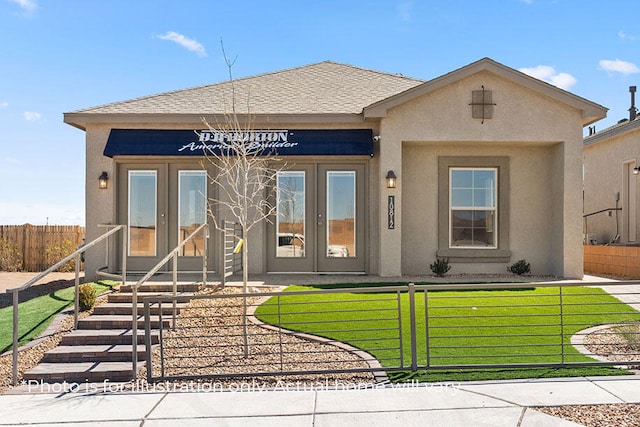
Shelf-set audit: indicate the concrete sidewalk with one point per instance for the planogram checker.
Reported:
(495, 403)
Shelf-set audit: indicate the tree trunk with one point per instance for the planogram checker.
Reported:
(245, 279)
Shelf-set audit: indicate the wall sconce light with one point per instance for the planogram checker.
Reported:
(636, 170)
(391, 179)
(103, 180)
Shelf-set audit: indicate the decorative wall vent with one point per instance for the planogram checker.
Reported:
(482, 104)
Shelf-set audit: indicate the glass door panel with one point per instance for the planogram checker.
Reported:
(192, 209)
(341, 214)
(290, 215)
(142, 215)
(341, 218)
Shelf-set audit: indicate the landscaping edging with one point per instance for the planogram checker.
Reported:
(577, 341)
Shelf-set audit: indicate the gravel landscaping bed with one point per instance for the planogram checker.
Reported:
(611, 345)
(216, 324)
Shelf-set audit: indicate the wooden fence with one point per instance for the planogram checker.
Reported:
(33, 241)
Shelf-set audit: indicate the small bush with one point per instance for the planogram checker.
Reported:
(520, 267)
(10, 256)
(86, 297)
(440, 267)
(57, 251)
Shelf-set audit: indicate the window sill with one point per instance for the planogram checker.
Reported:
(475, 255)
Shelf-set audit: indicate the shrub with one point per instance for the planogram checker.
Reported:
(440, 267)
(10, 256)
(520, 267)
(57, 251)
(86, 297)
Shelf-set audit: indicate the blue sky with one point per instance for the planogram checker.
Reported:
(58, 56)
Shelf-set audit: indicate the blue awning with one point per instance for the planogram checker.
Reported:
(295, 142)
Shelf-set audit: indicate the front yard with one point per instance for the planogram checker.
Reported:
(464, 328)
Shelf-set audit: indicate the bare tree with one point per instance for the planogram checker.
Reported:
(244, 170)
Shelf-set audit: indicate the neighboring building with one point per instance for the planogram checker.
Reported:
(611, 182)
(487, 160)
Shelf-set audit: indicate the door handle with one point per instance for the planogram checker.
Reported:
(320, 220)
(162, 221)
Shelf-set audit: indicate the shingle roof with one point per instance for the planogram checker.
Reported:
(322, 88)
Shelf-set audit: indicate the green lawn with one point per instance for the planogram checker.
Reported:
(465, 327)
(36, 314)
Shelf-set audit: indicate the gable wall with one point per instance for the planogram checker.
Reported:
(540, 137)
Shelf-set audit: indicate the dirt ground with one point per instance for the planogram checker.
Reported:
(50, 283)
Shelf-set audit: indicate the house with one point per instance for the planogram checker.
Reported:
(611, 200)
(486, 164)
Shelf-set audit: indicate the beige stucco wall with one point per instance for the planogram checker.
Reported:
(605, 164)
(541, 137)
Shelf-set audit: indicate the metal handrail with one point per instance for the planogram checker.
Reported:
(77, 254)
(601, 211)
(134, 289)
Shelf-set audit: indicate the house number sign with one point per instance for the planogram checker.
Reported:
(391, 212)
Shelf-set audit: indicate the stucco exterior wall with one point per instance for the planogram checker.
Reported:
(541, 137)
(605, 169)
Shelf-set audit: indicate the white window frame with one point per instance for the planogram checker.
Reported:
(494, 208)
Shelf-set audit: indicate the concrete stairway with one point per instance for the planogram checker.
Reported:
(100, 349)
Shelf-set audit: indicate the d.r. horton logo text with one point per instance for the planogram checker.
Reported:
(257, 139)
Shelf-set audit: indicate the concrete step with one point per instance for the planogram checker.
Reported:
(92, 353)
(163, 287)
(119, 322)
(81, 372)
(120, 297)
(105, 337)
(123, 308)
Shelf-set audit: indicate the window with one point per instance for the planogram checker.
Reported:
(473, 208)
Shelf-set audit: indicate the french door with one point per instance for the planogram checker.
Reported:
(162, 204)
(319, 225)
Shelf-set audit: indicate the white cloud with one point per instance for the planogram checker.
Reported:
(186, 42)
(624, 36)
(28, 6)
(619, 66)
(404, 11)
(13, 161)
(4, 104)
(32, 116)
(548, 74)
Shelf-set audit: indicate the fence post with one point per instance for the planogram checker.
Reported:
(223, 269)
(401, 341)
(412, 320)
(175, 289)
(561, 325)
(15, 338)
(147, 339)
(426, 326)
(76, 297)
(205, 248)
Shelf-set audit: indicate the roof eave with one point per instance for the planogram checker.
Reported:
(81, 120)
(610, 133)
